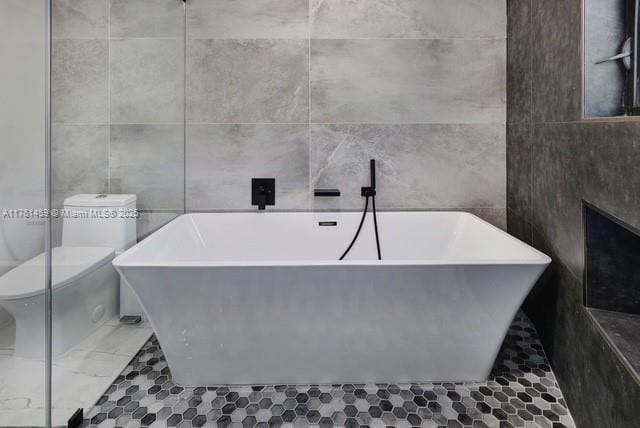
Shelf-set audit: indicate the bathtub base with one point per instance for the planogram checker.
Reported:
(260, 298)
(301, 325)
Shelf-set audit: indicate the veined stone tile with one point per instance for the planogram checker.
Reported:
(147, 80)
(248, 19)
(408, 81)
(418, 166)
(79, 376)
(79, 81)
(148, 160)
(120, 340)
(79, 164)
(89, 364)
(80, 18)
(79, 160)
(408, 18)
(248, 81)
(147, 18)
(222, 159)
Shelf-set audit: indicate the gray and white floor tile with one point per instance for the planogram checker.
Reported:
(522, 392)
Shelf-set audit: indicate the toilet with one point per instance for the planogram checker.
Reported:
(85, 285)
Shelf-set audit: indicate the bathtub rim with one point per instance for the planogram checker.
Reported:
(127, 258)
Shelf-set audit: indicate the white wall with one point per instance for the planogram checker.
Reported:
(22, 74)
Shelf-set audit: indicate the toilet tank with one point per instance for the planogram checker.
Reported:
(99, 220)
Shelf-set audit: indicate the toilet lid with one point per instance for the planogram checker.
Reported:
(68, 263)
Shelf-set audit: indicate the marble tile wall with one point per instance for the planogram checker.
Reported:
(303, 91)
(118, 103)
(555, 159)
(307, 91)
(218, 156)
(414, 161)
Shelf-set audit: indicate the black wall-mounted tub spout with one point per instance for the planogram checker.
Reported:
(263, 192)
(326, 193)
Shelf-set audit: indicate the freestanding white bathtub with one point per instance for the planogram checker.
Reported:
(260, 298)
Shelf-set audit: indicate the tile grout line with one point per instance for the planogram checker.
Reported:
(184, 109)
(331, 210)
(310, 197)
(109, 96)
(285, 123)
(462, 39)
(530, 130)
(116, 38)
(342, 123)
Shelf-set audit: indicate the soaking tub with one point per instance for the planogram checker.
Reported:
(260, 298)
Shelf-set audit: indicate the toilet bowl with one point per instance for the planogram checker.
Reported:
(85, 286)
(85, 295)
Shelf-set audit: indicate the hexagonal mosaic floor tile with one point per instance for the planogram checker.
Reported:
(522, 392)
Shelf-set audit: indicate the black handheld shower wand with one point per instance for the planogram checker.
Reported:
(373, 205)
(368, 192)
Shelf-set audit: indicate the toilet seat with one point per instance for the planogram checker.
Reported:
(68, 263)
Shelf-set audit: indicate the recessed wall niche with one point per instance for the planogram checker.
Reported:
(605, 34)
(612, 281)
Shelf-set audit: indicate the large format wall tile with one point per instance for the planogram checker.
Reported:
(418, 166)
(495, 216)
(222, 159)
(149, 222)
(79, 160)
(519, 54)
(557, 190)
(147, 80)
(591, 161)
(247, 81)
(408, 18)
(599, 390)
(408, 81)
(519, 154)
(147, 18)
(248, 19)
(80, 18)
(148, 160)
(571, 161)
(79, 82)
(520, 228)
(556, 60)
(519, 180)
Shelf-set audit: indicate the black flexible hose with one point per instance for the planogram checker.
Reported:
(375, 225)
(364, 214)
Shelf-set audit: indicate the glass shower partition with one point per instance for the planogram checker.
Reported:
(23, 203)
(117, 149)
